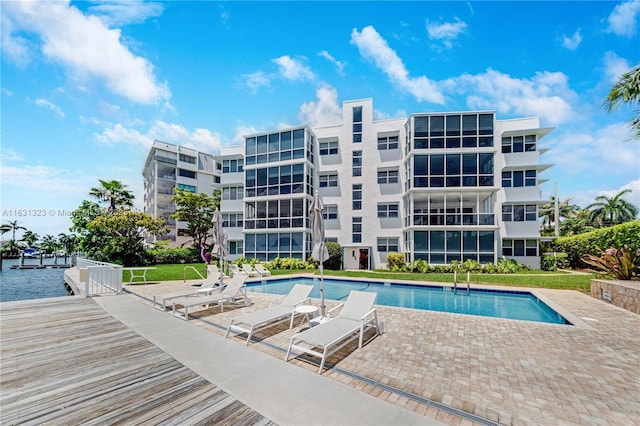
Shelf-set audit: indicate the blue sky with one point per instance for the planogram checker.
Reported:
(88, 86)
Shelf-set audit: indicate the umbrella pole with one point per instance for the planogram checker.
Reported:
(322, 307)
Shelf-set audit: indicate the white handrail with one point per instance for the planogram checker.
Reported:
(102, 277)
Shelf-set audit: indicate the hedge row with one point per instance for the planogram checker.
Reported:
(601, 239)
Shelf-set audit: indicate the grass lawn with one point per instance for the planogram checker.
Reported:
(558, 280)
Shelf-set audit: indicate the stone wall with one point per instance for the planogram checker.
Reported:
(625, 294)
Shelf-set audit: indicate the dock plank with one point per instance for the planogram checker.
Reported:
(66, 361)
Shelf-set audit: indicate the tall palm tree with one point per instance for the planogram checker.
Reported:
(30, 238)
(68, 242)
(12, 226)
(626, 90)
(113, 192)
(547, 211)
(608, 211)
(49, 244)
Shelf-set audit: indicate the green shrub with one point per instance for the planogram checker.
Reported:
(578, 246)
(489, 268)
(553, 262)
(395, 262)
(335, 257)
(507, 266)
(471, 265)
(164, 256)
(419, 265)
(289, 263)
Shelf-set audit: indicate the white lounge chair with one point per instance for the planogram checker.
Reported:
(233, 268)
(210, 284)
(264, 272)
(248, 269)
(234, 292)
(213, 269)
(356, 316)
(249, 323)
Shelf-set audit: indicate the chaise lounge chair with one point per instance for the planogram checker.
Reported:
(209, 285)
(357, 315)
(248, 269)
(264, 272)
(249, 323)
(234, 292)
(233, 268)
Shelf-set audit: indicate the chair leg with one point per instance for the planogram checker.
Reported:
(324, 357)
(286, 357)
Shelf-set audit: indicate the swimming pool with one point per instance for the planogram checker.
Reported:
(516, 305)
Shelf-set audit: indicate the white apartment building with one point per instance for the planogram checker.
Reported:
(435, 186)
(169, 166)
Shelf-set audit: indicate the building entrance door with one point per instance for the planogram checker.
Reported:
(364, 259)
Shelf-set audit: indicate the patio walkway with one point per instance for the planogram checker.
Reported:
(445, 366)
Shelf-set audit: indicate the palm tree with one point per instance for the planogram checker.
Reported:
(13, 227)
(30, 238)
(114, 193)
(608, 211)
(626, 90)
(578, 224)
(68, 242)
(547, 211)
(49, 244)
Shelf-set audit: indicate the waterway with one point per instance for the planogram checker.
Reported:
(24, 284)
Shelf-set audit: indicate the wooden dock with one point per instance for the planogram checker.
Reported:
(66, 361)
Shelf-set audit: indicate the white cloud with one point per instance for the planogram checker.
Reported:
(375, 48)
(603, 154)
(241, 131)
(55, 180)
(201, 139)
(51, 106)
(614, 66)
(622, 20)
(256, 80)
(339, 65)
(293, 68)
(573, 41)
(7, 154)
(124, 12)
(546, 95)
(117, 134)
(325, 111)
(446, 32)
(85, 47)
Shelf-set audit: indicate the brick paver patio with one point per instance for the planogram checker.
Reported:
(503, 371)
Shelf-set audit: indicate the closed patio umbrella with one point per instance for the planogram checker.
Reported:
(219, 241)
(319, 252)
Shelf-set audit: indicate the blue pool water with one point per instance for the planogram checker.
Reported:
(492, 303)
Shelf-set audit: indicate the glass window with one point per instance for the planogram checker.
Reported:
(530, 178)
(453, 241)
(436, 240)
(506, 145)
(530, 143)
(453, 125)
(485, 241)
(189, 188)
(274, 142)
(421, 127)
(453, 164)
(357, 137)
(518, 144)
(421, 241)
(437, 125)
(507, 214)
(518, 179)
(437, 165)
(470, 241)
(356, 162)
(298, 138)
(357, 114)
(531, 248)
(469, 124)
(486, 124)
(250, 146)
(187, 173)
(518, 247)
(531, 212)
(518, 213)
(485, 162)
(469, 164)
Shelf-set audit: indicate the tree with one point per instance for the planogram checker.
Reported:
(12, 226)
(30, 238)
(119, 237)
(578, 224)
(609, 211)
(68, 241)
(547, 211)
(626, 90)
(197, 210)
(49, 244)
(114, 193)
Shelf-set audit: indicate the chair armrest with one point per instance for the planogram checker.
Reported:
(302, 302)
(333, 309)
(277, 298)
(367, 315)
